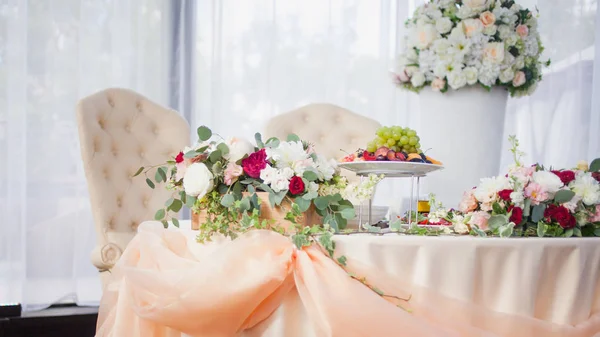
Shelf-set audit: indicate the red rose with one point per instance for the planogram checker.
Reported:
(179, 158)
(596, 176)
(296, 185)
(565, 176)
(516, 215)
(561, 215)
(505, 195)
(255, 163)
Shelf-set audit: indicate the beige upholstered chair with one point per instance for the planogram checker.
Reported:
(119, 131)
(331, 128)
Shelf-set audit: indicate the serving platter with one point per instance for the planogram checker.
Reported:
(390, 168)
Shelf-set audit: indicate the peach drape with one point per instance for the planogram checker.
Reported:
(261, 285)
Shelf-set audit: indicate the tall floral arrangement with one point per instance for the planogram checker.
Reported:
(530, 201)
(222, 178)
(452, 44)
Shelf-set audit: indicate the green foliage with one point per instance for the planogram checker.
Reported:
(150, 183)
(137, 173)
(595, 165)
(204, 133)
(563, 196)
(541, 229)
(497, 221)
(293, 138)
(538, 212)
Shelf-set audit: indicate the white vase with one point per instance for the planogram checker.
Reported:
(464, 130)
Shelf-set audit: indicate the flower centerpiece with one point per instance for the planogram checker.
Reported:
(235, 185)
(530, 201)
(464, 57)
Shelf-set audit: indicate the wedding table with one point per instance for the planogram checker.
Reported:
(545, 287)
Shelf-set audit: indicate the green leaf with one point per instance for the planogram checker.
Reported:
(204, 133)
(159, 215)
(163, 172)
(182, 196)
(498, 209)
(527, 208)
(227, 200)
(541, 229)
(190, 154)
(175, 222)
(222, 188)
(310, 195)
(340, 222)
(279, 197)
(303, 204)
(272, 142)
(215, 156)
(150, 183)
(378, 291)
(597, 232)
(254, 201)
(165, 223)
(223, 148)
(538, 212)
(137, 173)
(169, 202)
(237, 190)
(342, 260)
(348, 213)
(158, 176)
(563, 196)
(569, 233)
(506, 231)
(245, 204)
(176, 206)
(479, 232)
(265, 188)
(293, 138)
(259, 142)
(310, 176)
(326, 241)
(595, 165)
(321, 202)
(300, 241)
(577, 232)
(497, 221)
(190, 201)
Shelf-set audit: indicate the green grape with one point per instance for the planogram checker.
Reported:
(396, 136)
(379, 140)
(397, 129)
(411, 133)
(387, 134)
(372, 148)
(413, 141)
(404, 140)
(394, 148)
(418, 138)
(391, 142)
(412, 150)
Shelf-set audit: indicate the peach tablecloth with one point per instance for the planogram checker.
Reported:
(260, 285)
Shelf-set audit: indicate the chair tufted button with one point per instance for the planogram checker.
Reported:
(142, 154)
(155, 130)
(111, 102)
(134, 225)
(139, 105)
(111, 223)
(338, 119)
(101, 123)
(119, 201)
(96, 145)
(128, 127)
(305, 118)
(145, 202)
(105, 173)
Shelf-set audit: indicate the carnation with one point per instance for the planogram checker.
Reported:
(587, 188)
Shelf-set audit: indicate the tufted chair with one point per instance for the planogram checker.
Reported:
(331, 128)
(119, 131)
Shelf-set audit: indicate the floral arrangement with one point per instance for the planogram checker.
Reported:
(222, 178)
(529, 201)
(458, 43)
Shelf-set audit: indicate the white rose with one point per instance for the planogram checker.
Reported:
(424, 35)
(520, 62)
(548, 180)
(586, 187)
(505, 31)
(457, 79)
(477, 5)
(494, 52)
(471, 75)
(238, 148)
(507, 75)
(418, 79)
(198, 180)
(441, 46)
(490, 30)
(472, 27)
(465, 12)
(411, 55)
(438, 84)
(511, 40)
(443, 25)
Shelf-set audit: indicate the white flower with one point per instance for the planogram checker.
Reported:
(572, 204)
(424, 35)
(511, 40)
(312, 187)
(507, 75)
(438, 84)
(443, 25)
(471, 75)
(472, 27)
(287, 154)
(505, 31)
(411, 55)
(587, 188)
(465, 12)
(441, 46)
(490, 30)
(418, 79)
(517, 198)
(493, 52)
(457, 79)
(477, 5)
(326, 168)
(488, 73)
(520, 62)
(238, 148)
(198, 180)
(268, 174)
(443, 69)
(460, 225)
(488, 188)
(278, 180)
(548, 180)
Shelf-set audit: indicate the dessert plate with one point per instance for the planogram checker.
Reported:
(391, 168)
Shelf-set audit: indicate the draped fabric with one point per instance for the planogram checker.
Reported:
(230, 64)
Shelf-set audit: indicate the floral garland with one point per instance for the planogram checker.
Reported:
(458, 43)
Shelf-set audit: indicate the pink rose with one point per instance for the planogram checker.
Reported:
(480, 219)
(519, 79)
(468, 202)
(438, 84)
(232, 172)
(522, 30)
(536, 193)
(402, 77)
(487, 18)
(596, 217)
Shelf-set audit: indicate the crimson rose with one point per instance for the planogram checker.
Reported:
(505, 195)
(596, 176)
(565, 176)
(255, 163)
(516, 215)
(561, 215)
(296, 185)
(179, 158)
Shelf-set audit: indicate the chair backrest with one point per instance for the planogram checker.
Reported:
(120, 131)
(334, 130)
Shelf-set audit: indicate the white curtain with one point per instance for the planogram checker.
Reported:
(230, 64)
(52, 53)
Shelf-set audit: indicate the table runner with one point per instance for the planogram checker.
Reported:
(167, 285)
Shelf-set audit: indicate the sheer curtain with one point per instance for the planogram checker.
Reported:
(53, 53)
(230, 64)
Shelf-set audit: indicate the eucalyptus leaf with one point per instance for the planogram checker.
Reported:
(251, 189)
(190, 201)
(137, 173)
(597, 232)
(340, 221)
(498, 209)
(272, 142)
(176, 205)
(182, 197)
(577, 232)
(310, 176)
(259, 142)
(227, 200)
(595, 165)
(175, 222)
(254, 201)
(348, 213)
(158, 177)
(569, 233)
(223, 148)
(150, 183)
(563, 196)
(541, 229)
(215, 156)
(222, 188)
(165, 223)
(303, 204)
(217, 168)
(321, 202)
(333, 223)
(163, 172)
(479, 232)
(497, 221)
(310, 195)
(272, 199)
(527, 208)
(506, 231)
(279, 197)
(160, 214)
(265, 188)
(245, 204)
(293, 138)
(537, 213)
(190, 154)
(204, 133)
(169, 202)
(201, 149)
